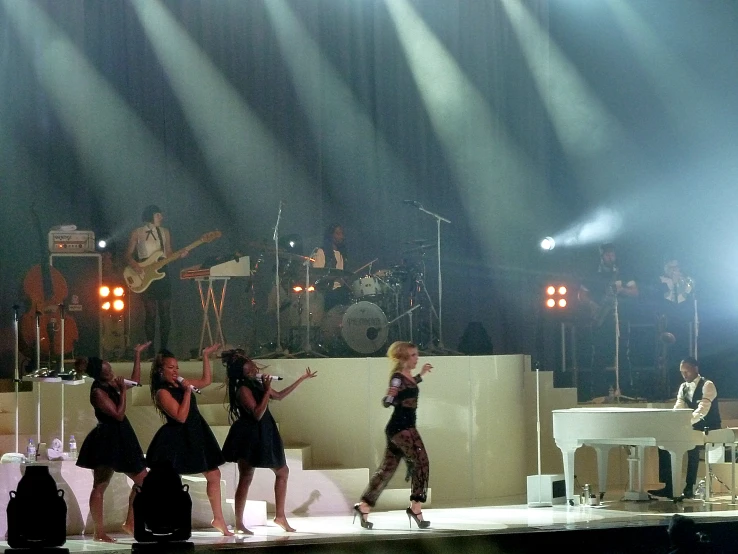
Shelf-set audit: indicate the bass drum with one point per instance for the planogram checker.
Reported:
(361, 327)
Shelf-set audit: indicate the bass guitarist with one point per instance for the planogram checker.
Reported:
(151, 239)
(601, 292)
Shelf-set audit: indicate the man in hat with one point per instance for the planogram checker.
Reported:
(602, 291)
(148, 243)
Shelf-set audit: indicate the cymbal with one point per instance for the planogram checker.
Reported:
(416, 241)
(419, 248)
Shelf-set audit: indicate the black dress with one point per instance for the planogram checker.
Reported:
(111, 443)
(256, 442)
(191, 446)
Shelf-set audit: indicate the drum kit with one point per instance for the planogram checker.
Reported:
(367, 311)
(334, 312)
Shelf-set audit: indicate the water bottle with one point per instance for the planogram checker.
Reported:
(72, 448)
(610, 394)
(701, 490)
(31, 451)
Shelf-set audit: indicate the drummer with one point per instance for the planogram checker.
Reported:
(332, 255)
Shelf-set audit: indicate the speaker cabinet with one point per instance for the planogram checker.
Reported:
(83, 274)
(546, 490)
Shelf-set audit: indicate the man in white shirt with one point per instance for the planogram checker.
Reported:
(151, 240)
(699, 395)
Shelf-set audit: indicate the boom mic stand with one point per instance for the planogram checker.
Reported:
(279, 350)
(439, 219)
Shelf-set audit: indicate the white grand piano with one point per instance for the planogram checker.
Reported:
(603, 428)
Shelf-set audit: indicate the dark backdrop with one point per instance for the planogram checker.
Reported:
(217, 111)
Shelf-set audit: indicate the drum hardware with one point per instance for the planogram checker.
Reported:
(409, 314)
(369, 265)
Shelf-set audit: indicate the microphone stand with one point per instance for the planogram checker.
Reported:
(276, 276)
(696, 330)
(15, 456)
(616, 313)
(439, 219)
(307, 348)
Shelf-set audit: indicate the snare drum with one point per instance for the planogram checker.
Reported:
(362, 327)
(369, 286)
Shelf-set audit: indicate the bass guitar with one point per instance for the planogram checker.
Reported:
(140, 281)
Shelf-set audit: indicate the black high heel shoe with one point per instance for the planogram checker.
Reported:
(421, 523)
(365, 523)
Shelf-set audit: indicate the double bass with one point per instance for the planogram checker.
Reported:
(46, 289)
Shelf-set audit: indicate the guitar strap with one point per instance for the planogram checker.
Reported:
(161, 239)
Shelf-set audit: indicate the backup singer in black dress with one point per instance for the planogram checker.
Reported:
(403, 439)
(185, 439)
(253, 440)
(112, 445)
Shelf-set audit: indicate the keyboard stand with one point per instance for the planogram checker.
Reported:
(210, 295)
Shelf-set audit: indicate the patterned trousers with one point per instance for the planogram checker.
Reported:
(405, 444)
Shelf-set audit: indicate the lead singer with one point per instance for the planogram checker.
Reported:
(403, 439)
(185, 439)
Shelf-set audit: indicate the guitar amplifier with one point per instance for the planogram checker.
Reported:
(71, 242)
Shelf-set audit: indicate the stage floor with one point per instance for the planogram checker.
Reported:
(339, 534)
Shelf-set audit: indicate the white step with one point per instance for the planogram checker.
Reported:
(202, 513)
(254, 513)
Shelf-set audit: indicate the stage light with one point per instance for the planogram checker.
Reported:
(556, 296)
(297, 288)
(548, 243)
(111, 297)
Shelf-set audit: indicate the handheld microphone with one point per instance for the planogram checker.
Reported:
(130, 383)
(194, 388)
(274, 377)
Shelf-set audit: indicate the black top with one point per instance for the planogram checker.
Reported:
(405, 403)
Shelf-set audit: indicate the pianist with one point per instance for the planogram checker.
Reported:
(700, 395)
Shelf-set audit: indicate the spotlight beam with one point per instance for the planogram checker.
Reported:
(90, 110)
(582, 123)
(356, 151)
(495, 178)
(237, 146)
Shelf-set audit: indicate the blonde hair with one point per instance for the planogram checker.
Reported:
(398, 353)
